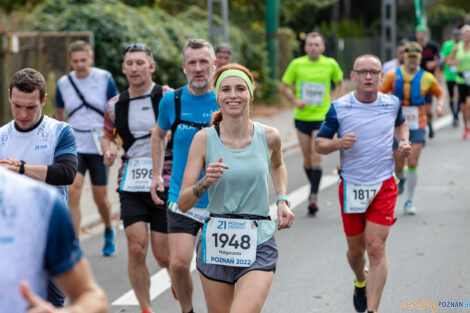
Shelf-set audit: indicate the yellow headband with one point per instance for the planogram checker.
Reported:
(235, 73)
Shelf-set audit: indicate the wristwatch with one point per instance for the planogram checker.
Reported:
(406, 140)
(285, 198)
(21, 171)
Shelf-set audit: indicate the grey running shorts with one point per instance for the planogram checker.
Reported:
(266, 259)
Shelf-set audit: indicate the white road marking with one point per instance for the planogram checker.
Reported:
(160, 281)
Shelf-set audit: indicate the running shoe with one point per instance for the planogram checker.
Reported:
(360, 299)
(466, 132)
(312, 207)
(109, 246)
(409, 208)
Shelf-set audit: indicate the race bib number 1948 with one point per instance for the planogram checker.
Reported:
(357, 198)
(229, 241)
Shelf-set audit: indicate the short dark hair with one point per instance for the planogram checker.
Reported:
(196, 43)
(315, 34)
(80, 45)
(224, 47)
(28, 80)
(402, 42)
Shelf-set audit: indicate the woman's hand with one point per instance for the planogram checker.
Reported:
(213, 172)
(285, 216)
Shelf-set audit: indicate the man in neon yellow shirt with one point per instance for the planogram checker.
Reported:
(312, 75)
(450, 74)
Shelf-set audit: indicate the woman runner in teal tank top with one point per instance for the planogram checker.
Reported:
(237, 156)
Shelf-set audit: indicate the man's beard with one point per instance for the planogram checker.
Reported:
(199, 85)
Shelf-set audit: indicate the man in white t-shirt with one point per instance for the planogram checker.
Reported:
(366, 122)
(83, 93)
(36, 145)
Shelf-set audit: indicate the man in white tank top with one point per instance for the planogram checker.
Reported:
(83, 93)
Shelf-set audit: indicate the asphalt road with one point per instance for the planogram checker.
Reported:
(428, 254)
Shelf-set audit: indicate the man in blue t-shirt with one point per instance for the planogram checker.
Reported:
(37, 240)
(83, 93)
(36, 145)
(197, 102)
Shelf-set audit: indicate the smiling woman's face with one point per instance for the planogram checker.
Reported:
(234, 96)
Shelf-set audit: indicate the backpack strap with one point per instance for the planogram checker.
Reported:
(156, 95)
(178, 119)
(121, 122)
(82, 98)
(122, 115)
(178, 93)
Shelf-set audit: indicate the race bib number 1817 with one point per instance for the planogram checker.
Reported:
(357, 198)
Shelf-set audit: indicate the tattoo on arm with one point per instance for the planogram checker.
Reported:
(199, 188)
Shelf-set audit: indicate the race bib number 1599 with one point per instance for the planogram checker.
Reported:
(229, 241)
(313, 93)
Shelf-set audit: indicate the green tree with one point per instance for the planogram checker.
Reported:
(460, 4)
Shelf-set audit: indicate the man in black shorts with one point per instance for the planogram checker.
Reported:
(83, 93)
(312, 75)
(184, 112)
(132, 115)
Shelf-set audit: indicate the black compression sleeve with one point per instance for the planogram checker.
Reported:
(63, 171)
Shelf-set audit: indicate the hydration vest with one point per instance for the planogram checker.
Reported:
(416, 98)
(122, 115)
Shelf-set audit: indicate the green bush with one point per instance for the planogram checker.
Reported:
(441, 15)
(116, 24)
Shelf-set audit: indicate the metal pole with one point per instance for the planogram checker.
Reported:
(272, 24)
(388, 30)
(223, 30)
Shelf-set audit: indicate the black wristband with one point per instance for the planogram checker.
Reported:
(21, 171)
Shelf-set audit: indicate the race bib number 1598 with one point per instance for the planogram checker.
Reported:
(137, 175)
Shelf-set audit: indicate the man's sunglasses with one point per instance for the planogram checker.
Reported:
(136, 46)
(408, 50)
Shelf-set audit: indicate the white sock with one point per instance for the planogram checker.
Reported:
(411, 183)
